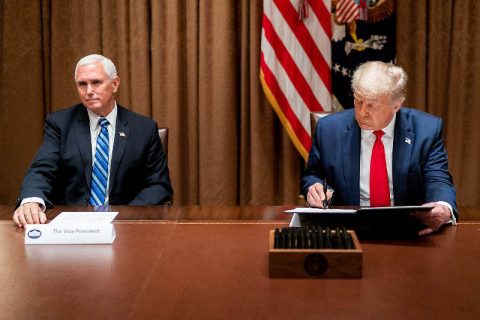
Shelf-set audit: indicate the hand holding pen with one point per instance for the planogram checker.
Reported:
(325, 189)
(320, 195)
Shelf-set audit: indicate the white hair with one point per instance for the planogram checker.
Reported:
(108, 65)
(374, 79)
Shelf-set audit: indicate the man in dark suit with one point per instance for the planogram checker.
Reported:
(95, 153)
(379, 154)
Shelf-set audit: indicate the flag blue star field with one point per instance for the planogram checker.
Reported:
(362, 30)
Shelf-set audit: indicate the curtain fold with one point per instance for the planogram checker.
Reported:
(438, 45)
(193, 66)
(190, 65)
(462, 112)
(22, 92)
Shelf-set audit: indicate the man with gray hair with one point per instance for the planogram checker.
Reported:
(380, 154)
(95, 153)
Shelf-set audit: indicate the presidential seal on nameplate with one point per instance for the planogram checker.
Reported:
(74, 228)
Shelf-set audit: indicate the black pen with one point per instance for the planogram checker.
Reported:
(325, 202)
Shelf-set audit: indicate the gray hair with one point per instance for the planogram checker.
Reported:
(374, 79)
(108, 65)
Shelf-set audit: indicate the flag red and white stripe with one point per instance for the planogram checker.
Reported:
(295, 64)
(347, 11)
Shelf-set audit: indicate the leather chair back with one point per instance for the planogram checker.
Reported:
(163, 133)
(314, 117)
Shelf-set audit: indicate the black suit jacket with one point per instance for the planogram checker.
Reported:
(62, 168)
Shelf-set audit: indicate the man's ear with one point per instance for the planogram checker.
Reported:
(116, 83)
(397, 104)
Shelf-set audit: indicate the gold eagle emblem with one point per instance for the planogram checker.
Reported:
(377, 10)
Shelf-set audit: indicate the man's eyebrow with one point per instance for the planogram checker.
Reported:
(89, 80)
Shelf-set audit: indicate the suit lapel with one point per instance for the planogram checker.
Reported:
(351, 162)
(122, 133)
(82, 132)
(402, 151)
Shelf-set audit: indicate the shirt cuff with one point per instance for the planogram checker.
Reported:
(40, 201)
(453, 220)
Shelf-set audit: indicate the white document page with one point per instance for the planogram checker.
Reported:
(84, 217)
(320, 210)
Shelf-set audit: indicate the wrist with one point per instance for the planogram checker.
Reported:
(449, 215)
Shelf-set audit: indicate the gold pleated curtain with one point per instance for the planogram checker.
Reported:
(438, 43)
(193, 66)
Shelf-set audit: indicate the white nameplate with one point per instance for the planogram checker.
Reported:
(74, 228)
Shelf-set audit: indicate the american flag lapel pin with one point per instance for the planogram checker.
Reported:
(122, 134)
(407, 140)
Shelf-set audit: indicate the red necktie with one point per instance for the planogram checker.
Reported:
(379, 189)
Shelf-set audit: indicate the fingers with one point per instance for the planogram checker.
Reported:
(16, 219)
(425, 231)
(430, 220)
(429, 204)
(43, 217)
(29, 213)
(20, 216)
(315, 195)
(434, 218)
(312, 202)
(329, 194)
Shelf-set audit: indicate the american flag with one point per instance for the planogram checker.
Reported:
(347, 11)
(295, 63)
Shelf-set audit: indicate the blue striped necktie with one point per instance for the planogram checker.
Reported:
(99, 181)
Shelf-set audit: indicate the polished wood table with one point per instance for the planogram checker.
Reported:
(179, 213)
(175, 213)
(212, 263)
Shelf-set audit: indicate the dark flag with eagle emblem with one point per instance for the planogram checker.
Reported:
(362, 30)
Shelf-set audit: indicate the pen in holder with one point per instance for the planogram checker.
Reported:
(314, 252)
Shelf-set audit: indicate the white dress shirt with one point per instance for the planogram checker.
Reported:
(367, 142)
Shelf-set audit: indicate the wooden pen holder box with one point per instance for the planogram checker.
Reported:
(316, 263)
